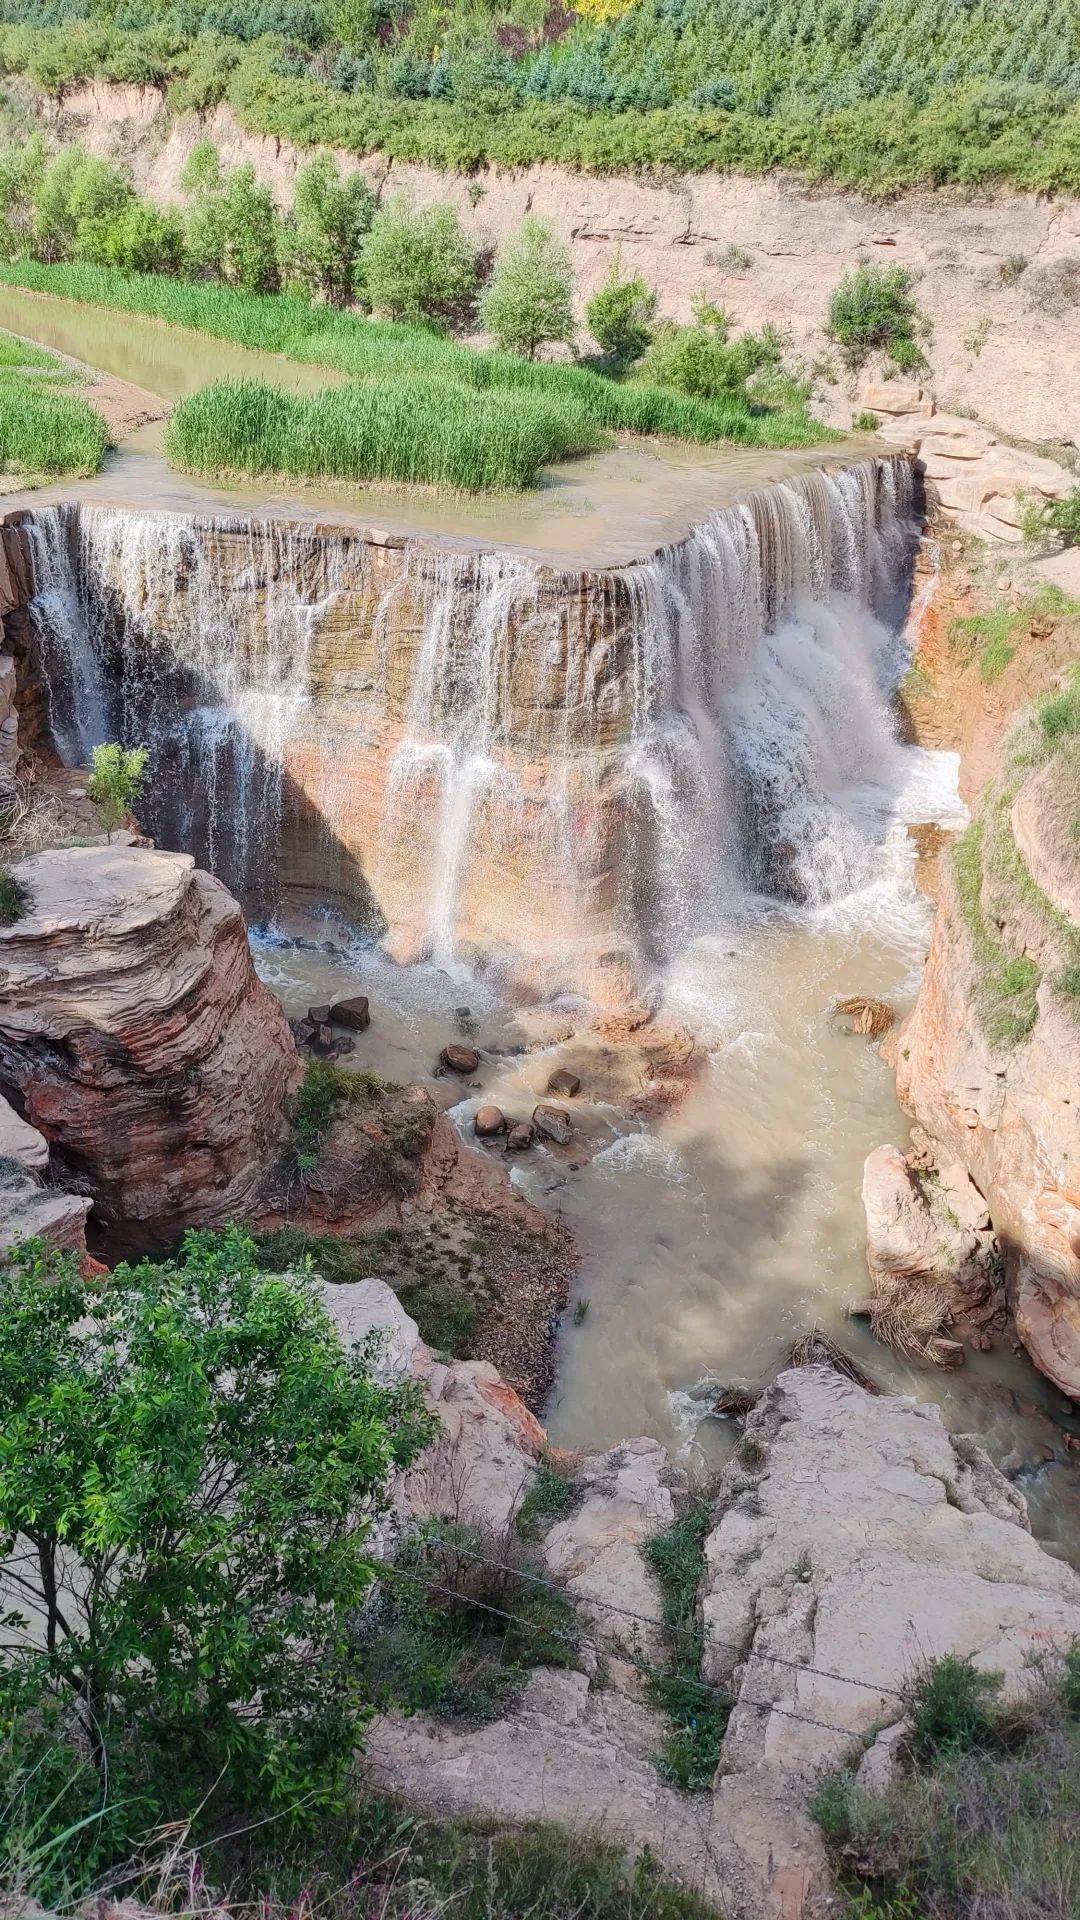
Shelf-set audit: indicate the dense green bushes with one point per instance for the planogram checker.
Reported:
(873, 310)
(863, 93)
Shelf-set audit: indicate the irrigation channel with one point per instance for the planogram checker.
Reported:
(566, 754)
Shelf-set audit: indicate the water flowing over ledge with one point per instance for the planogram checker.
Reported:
(565, 776)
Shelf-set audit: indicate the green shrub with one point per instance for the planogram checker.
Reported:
(213, 1479)
(982, 1820)
(325, 238)
(703, 363)
(15, 898)
(417, 266)
(530, 300)
(952, 1707)
(1007, 1001)
(873, 310)
(116, 777)
(620, 316)
(1059, 519)
(866, 422)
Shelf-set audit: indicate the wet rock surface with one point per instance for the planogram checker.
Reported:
(930, 1251)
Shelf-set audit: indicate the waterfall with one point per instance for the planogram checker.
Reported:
(516, 761)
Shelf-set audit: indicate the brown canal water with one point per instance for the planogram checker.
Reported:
(604, 510)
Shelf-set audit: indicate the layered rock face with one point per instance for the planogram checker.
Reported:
(1002, 1100)
(983, 482)
(563, 775)
(140, 1042)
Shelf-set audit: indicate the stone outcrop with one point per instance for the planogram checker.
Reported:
(1007, 1108)
(981, 481)
(855, 1539)
(928, 1249)
(140, 1042)
(996, 271)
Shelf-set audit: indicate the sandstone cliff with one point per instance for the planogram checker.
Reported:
(988, 1060)
(138, 1040)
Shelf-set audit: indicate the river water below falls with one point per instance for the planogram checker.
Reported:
(712, 1237)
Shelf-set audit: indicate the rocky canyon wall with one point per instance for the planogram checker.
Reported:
(999, 274)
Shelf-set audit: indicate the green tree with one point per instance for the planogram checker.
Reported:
(874, 310)
(620, 316)
(78, 199)
(190, 1465)
(330, 218)
(417, 265)
(233, 228)
(531, 297)
(116, 776)
(21, 171)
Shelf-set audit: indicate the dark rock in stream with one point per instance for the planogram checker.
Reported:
(520, 1137)
(354, 1012)
(319, 1015)
(489, 1122)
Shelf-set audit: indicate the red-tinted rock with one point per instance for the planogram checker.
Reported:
(319, 1015)
(322, 1038)
(458, 1059)
(140, 1041)
(489, 1122)
(520, 1137)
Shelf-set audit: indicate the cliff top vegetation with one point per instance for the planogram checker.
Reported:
(864, 92)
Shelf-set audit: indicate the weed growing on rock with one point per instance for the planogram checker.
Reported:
(984, 1817)
(1008, 984)
(116, 777)
(15, 898)
(698, 1714)
(440, 1637)
(553, 1494)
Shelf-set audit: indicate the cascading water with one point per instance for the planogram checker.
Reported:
(542, 769)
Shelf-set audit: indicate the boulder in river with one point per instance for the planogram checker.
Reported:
(458, 1059)
(319, 1015)
(355, 1012)
(520, 1137)
(564, 1083)
(553, 1123)
(489, 1122)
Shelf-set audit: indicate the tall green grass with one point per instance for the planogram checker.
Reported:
(414, 428)
(45, 431)
(584, 402)
(42, 429)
